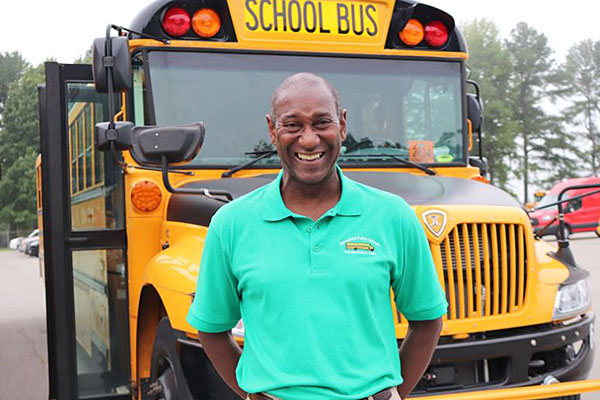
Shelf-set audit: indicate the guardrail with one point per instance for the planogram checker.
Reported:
(525, 393)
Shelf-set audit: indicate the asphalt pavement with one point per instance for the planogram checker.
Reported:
(23, 351)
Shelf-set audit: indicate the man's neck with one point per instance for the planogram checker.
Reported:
(311, 200)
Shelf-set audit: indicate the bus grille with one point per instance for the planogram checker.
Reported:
(483, 269)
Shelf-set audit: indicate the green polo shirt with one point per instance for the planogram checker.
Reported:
(315, 296)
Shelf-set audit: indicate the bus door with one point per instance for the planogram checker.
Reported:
(85, 243)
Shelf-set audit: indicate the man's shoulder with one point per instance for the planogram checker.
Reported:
(246, 206)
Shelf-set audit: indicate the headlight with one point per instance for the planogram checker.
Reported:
(547, 217)
(572, 300)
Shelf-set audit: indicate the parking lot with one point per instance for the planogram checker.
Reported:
(23, 355)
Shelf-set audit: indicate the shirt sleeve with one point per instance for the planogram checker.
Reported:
(417, 290)
(216, 305)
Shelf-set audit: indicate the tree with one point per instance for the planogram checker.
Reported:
(577, 81)
(490, 65)
(17, 193)
(19, 145)
(531, 65)
(12, 66)
(20, 131)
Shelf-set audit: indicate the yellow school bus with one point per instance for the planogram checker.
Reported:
(124, 232)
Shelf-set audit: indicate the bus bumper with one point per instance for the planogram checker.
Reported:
(512, 358)
(505, 359)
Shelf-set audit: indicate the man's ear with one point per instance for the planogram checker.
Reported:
(343, 124)
(271, 126)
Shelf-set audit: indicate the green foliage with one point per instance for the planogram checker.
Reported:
(577, 82)
(19, 145)
(490, 65)
(20, 131)
(86, 58)
(17, 193)
(12, 66)
(532, 68)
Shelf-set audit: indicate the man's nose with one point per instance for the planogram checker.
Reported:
(309, 138)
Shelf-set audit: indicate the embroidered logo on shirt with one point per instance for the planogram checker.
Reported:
(435, 221)
(359, 245)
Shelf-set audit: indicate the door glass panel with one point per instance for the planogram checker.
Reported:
(96, 182)
(100, 297)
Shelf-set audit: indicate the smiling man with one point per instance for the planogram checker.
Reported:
(308, 261)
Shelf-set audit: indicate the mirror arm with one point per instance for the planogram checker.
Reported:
(479, 138)
(202, 192)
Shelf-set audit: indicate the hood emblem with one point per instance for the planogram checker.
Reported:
(435, 221)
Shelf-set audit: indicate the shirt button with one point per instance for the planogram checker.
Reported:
(309, 229)
(316, 249)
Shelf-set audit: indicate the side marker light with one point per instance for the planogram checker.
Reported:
(146, 196)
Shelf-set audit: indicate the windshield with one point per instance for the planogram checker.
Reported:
(548, 199)
(411, 109)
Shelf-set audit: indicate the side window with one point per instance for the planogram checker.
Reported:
(95, 188)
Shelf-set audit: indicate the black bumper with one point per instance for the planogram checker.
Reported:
(512, 358)
(519, 357)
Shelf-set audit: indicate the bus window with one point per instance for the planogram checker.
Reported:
(99, 290)
(94, 192)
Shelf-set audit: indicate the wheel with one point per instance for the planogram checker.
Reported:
(167, 381)
(573, 397)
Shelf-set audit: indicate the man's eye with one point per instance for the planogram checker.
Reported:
(291, 126)
(323, 123)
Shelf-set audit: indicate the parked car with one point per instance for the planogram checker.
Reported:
(581, 215)
(23, 244)
(32, 246)
(14, 243)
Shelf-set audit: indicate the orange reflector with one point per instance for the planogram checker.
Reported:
(413, 32)
(480, 179)
(206, 23)
(146, 196)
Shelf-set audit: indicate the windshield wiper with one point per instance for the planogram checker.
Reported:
(261, 155)
(413, 164)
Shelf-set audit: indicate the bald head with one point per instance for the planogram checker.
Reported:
(300, 81)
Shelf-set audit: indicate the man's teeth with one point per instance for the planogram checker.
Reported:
(309, 157)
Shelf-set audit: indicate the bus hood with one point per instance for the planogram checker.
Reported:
(416, 190)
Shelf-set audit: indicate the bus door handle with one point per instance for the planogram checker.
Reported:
(79, 240)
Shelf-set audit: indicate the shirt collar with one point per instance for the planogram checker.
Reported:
(274, 208)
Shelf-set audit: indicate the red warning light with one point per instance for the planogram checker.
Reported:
(176, 21)
(436, 34)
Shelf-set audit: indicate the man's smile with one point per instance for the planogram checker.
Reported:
(310, 156)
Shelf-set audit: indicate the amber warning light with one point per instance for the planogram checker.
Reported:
(206, 23)
(146, 196)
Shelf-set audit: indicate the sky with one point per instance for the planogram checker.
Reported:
(65, 29)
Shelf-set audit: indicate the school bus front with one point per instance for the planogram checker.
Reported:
(400, 69)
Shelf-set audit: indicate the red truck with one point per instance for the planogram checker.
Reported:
(581, 215)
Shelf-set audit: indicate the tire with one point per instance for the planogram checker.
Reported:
(573, 397)
(167, 381)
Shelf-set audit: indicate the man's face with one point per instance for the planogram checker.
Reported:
(308, 133)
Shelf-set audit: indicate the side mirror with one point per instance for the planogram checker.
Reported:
(178, 144)
(118, 59)
(480, 163)
(149, 144)
(474, 111)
